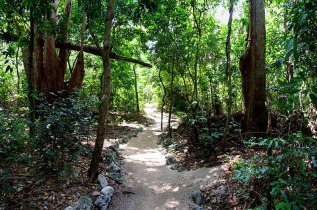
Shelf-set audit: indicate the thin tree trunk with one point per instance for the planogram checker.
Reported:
(229, 73)
(104, 105)
(30, 74)
(252, 67)
(18, 75)
(163, 98)
(136, 90)
(171, 102)
(136, 94)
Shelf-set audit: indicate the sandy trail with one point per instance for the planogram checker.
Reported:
(152, 183)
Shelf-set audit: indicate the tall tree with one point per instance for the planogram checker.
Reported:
(30, 74)
(104, 103)
(229, 73)
(252, 67)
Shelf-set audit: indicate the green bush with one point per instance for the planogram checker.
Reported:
(12, 134)
(61, 128)
(292, 170)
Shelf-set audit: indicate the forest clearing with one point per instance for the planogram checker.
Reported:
(158, 104)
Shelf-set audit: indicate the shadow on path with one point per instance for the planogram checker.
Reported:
(149, 182)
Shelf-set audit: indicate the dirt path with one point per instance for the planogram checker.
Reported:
(149, 182)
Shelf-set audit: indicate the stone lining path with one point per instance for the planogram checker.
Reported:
(148, 182)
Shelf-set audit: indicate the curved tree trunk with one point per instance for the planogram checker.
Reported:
(104, 105)
(252, 67)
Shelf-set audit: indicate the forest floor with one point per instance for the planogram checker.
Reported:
(149, 182)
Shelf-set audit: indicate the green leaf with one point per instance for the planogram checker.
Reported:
(313, 98)
(290, 84)
(298, 79)
(9, 68)
(314, 90)
(288, 55)
(295, 90)
(289, 44)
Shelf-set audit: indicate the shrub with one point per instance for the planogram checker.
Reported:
(12, 135)
(61, 128)
(291, 171)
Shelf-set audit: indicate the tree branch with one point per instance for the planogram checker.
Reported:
(87, 48)
(94, 50)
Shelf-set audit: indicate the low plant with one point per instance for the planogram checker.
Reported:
(288, 173)
(61, 128)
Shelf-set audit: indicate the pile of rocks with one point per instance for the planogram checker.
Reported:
(114, 169)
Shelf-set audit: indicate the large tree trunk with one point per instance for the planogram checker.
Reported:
(252, 67)
(49, 68)
(104, 106)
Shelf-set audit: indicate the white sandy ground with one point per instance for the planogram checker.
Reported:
(148, 182)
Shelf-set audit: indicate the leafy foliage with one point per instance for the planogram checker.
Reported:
(292, 171)
(61, 128)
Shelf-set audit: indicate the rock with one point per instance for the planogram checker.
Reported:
(130, 135)
(67, 208)
(196, 195)
(196, 207)
(102, 202)
(102, 181)
(83, 203)
(181, 169)
(110, 156)
(107, 191)
(112, 149)
(66, 172)
(134, 133)
(104, 199)
(174, 166)
(116, 144)
(125, 139)
(116, 177)
(171, 160)
(114, 168)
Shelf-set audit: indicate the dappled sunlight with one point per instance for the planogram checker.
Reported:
(172, 204)
(153, 185)
(161, 189)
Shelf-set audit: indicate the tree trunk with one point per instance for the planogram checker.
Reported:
(229, 73)
(30, 74)
(19, 79)
(252, 67)
(136, 94)
(171, 102)
(136, 90)
(77, 77)
(163, 98)
(104, 103)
